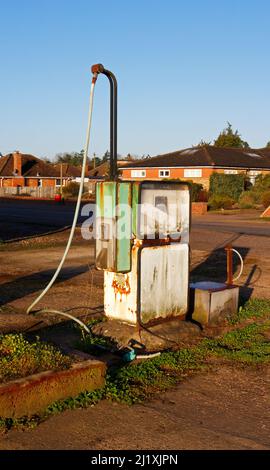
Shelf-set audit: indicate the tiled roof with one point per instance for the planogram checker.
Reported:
(35, 167)
(103, 169)
(209, 156)
(68, 170)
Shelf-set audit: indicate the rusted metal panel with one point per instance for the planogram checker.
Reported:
(164, 278)
(121, 291)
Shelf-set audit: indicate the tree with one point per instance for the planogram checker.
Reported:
(268, 144)
(202, 143)
(106, 156)
(230, 138)
(73, 158)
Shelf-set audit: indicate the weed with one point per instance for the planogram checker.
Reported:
(93, 344)
(134, 382)
(19, 357)
(249, 344)
(254, 308)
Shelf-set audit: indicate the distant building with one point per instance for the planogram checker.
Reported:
(198, 163)
(23, 170)
(102, 171)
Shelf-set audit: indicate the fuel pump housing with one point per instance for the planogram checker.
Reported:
(142, 245)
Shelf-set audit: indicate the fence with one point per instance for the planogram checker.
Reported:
(48, 192)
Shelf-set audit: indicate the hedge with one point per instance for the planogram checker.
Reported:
(227, 185)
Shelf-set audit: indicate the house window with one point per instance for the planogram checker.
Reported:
(194, 173)
(58, 182)
(230, 172)
(138, 173)
(40, 183)
(164, 173)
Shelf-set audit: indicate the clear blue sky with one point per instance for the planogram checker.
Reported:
(184, 68)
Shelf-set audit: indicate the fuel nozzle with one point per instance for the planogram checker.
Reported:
(96, 69)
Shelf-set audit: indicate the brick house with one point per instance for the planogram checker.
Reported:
(198, 163)
(19, 170)
(101, 172)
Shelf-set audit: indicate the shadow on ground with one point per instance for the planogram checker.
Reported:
(32, 283)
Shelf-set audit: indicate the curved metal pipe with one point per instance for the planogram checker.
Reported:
(96, 69)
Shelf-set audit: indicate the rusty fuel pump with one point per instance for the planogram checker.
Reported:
(142, 240)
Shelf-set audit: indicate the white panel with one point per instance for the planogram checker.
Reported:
(193, 173)
(138, 173)
(173, 219)
(164, 281)
(230, 172)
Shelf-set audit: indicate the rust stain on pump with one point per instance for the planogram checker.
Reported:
(121, 286)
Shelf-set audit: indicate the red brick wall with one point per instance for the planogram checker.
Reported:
(199, 208)
(31, 182)
(13, 182)
(175, 173)
(48, 182)
(178, 173)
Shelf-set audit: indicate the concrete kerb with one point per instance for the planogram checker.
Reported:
(32, 394)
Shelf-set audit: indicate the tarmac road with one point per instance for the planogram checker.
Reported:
(36, 217)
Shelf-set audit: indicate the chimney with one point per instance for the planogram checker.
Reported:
(17, 163)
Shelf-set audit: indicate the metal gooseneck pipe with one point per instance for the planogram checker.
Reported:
(96, 69)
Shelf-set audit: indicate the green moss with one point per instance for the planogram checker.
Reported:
(20, 358)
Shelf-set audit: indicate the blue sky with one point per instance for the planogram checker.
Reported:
(184, 68)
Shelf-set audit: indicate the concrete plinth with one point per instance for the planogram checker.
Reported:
(213, 301)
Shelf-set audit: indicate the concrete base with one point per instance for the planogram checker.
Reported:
(213, 301)
(172, 333)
